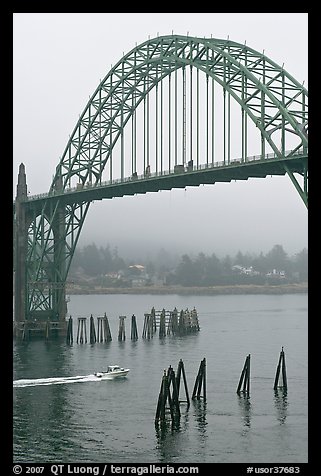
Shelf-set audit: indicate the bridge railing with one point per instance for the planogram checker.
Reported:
(151, 175)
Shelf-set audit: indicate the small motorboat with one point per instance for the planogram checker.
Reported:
(113, 371)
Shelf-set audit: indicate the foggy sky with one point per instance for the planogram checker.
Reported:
(59, 60)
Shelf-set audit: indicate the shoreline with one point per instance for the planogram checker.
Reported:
(301, 288)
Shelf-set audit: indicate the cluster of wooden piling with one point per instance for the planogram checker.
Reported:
(170, 323)
(168, 399)
(164, 322)
(103, 334)
(280, 381)
(169, 402)
(103, 330)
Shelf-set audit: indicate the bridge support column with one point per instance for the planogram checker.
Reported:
(46, 313)
(59, 305)
(20, 248)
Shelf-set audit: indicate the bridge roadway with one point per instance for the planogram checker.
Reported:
(253, 167)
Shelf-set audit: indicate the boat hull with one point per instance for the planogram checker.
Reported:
(111, 375)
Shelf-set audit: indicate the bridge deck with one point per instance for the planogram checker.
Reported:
(203, 174)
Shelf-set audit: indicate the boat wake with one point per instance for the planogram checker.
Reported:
(56, 380)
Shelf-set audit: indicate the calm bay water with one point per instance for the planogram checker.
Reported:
(113, 421)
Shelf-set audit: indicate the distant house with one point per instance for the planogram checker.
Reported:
(137, 268)
(113, 275)
(276, 273)
(237, 268)
(137, 275)
(138, 282)
(250, 271)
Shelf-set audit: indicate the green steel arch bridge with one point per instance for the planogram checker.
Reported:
(175, 111)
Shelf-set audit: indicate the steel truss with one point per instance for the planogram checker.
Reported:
(267, 97)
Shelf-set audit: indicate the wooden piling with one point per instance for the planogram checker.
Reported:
(148, 329)
(162, 324)
(69, 336)
(281, 369)
(81, 331)
(181, 371)
(153, 320)
(187, 321)
(145, 325)
(121, 332)
(134, 333)
(173, 322)
(100, 331)
(245, 378)
(165, 395)
(107, 331)
(162, 397)
(92, 331)
(194, 318)
(181, 326)
(200, 381)
(174, 397)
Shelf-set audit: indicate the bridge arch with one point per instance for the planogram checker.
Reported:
(269, 98)
(267, 94)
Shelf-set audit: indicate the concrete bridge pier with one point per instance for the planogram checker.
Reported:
(41, 321)
(20, 237)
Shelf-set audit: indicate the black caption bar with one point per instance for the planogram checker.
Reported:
(106, 469)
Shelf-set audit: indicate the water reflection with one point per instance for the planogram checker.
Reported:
(245, 409)
(281, 405)
(164, 428)
(41, 415)
(169, 436)
(200, 415)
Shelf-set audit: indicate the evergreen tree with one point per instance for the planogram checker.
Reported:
(106, 260)
(259, 263)
(301, 264)
(117, 262)
(239, 259)
(185, 271)
(214, 270)
(277, 259)
(91, 260)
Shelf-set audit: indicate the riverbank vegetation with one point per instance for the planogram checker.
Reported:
(101, 269)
